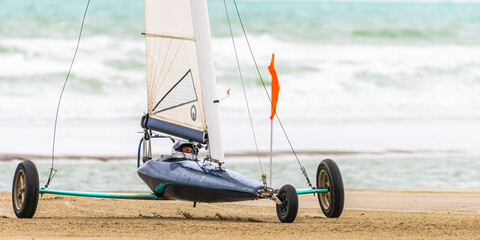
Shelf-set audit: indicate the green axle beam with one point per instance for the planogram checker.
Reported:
(311, 190)
(135, 196)
(142, 196)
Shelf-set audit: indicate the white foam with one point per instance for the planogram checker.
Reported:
(351, 97)
(366, 81)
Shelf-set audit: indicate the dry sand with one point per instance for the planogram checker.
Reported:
(371, 214)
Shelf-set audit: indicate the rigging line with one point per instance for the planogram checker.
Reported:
(268, 95)
(243, 86)
(52, 170)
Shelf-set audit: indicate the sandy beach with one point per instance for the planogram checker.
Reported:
(369, 214)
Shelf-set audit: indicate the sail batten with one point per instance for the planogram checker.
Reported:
(172, 36)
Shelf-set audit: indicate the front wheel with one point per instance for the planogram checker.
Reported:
(329, 177)
(25, 190)
(287, 212)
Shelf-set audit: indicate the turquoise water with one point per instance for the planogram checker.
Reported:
(358, 173)
(299, 21)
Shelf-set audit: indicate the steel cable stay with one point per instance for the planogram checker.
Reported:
(264, 177)
(52, 170)
(302, 168)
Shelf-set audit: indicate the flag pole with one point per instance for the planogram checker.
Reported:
(271, 141)
(275, 90)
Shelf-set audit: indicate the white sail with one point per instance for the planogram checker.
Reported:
(180, 72)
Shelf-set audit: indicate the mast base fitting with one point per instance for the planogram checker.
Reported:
(266, 192)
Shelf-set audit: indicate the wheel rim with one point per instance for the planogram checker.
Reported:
(19, 189)
(324, 182)
(284, 206)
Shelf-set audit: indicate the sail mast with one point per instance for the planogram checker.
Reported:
(203, 39)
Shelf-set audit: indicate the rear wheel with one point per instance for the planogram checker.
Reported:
(287, 212)
(329, 177)
(25, 190)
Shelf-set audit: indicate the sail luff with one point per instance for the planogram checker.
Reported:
(203, 40)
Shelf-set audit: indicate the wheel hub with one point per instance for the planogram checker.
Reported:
(19, 189)
(324, 182)
(284, 206)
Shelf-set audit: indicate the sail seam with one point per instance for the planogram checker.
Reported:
(170, 36)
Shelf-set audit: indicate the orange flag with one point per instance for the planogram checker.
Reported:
(275, 87)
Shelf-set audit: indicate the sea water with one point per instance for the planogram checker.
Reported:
(396, 84)
(366, 172)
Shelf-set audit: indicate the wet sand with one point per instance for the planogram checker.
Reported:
(369, 214)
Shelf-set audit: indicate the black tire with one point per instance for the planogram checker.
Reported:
(25, 189)
(328, 176)
(288, 211)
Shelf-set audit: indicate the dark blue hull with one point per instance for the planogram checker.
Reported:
(190, 180)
